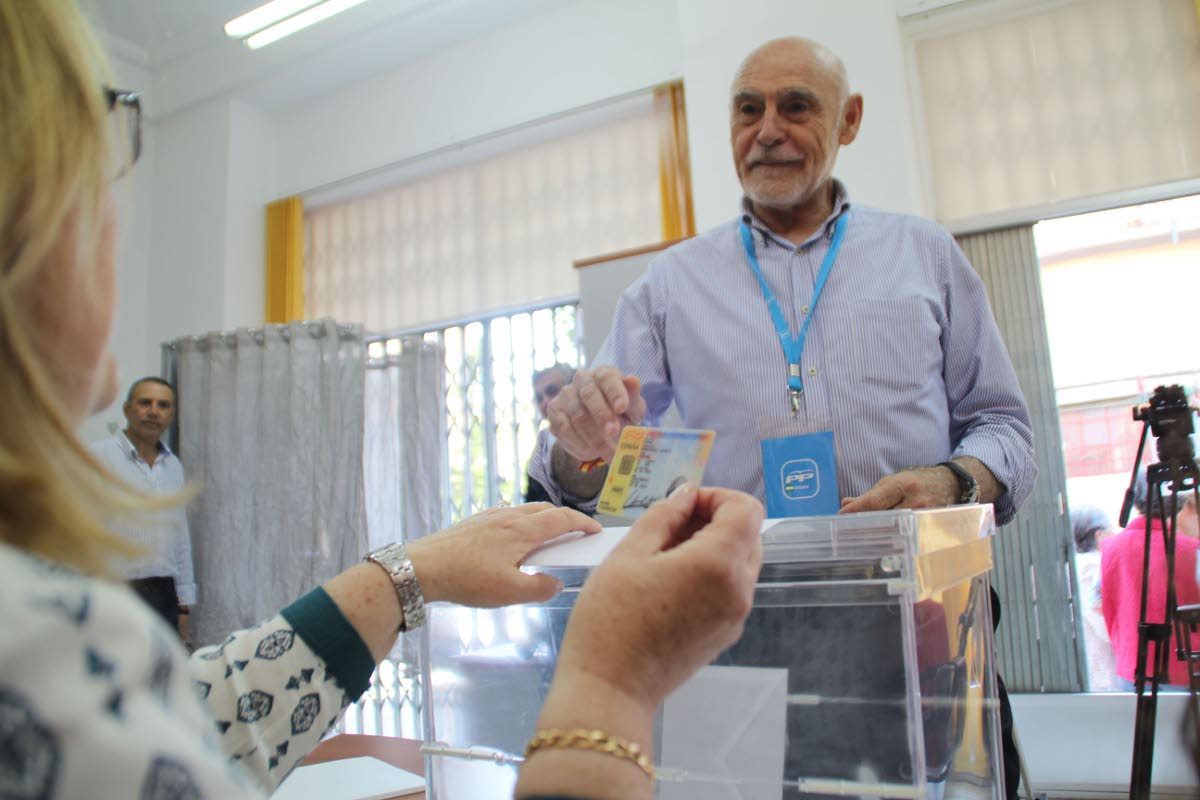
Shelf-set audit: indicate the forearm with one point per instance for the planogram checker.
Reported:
(584, 773)
(268, 688)
(367, 598)
(566, 473)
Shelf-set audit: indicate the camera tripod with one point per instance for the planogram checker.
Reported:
(1169, 417)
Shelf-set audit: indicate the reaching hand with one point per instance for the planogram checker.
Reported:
(669, 598)
(587, 416)
(919, 487)
(477, 562)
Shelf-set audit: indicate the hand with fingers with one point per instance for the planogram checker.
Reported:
(919, 487)
(670, 597)
(588, 414)
(477, 562)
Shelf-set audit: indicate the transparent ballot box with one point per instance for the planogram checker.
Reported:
(865, 670)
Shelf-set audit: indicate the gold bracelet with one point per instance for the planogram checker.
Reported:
(594, 740)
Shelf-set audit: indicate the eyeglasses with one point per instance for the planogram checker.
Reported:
(127, 132)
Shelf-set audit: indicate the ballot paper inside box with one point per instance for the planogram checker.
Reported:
(865, 670)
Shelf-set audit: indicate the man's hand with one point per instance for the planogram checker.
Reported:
(919, 487)
(925, 487)
(587, 416)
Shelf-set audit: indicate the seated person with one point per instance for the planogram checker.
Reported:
(98, 697)
(547, 384)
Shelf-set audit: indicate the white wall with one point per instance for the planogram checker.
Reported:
(216, 173)
(188, 248)
(879, 169)
(134, 195)
(249, 187)
(586, 52)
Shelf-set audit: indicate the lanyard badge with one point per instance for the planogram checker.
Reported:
(793, 346)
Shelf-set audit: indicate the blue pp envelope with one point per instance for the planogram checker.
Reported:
(800, 474)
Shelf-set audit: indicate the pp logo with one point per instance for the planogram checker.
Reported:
(801, 479)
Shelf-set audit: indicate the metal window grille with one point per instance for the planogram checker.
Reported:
(491, 419)
(491, 425)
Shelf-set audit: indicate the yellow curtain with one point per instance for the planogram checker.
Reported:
(675, 171)
(285, 260)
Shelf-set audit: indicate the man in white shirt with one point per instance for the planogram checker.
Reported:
(163, 576)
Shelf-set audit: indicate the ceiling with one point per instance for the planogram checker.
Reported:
(163, 28)
(182, 44)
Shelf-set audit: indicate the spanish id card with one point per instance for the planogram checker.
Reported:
(649, 464)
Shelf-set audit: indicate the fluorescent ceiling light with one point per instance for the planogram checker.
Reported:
(265, 16)
(299, 22)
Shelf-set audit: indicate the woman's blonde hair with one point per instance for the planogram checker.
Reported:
(55, 142)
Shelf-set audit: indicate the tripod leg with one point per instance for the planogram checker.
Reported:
(1144, 722)
(1148, 634)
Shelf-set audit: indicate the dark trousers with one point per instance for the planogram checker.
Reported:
(1008, 745)
(159, 594)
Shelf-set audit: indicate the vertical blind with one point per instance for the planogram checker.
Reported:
(489, 235)
(1037, 645)
(1079, 99)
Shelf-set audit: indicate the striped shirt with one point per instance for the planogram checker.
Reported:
(163, 534)
(903, 360)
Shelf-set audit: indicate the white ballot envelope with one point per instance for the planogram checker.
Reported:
(727, 723)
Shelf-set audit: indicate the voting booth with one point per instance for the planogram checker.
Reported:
(865, 670)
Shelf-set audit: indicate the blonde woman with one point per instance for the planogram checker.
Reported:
(97, 698)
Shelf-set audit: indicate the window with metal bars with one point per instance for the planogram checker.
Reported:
(491, 418)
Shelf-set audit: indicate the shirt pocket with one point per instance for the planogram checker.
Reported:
(893, 345)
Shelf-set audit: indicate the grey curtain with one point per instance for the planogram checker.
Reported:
(271, 429)
(1037, 644)
(403, 454)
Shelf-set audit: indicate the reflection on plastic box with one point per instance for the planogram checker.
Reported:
(865, 670)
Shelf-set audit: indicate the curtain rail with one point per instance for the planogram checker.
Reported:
(315, 328)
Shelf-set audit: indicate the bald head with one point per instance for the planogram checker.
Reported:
(801, 53)
(791, 109)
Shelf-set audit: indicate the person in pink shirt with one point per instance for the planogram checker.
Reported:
(1121, 563)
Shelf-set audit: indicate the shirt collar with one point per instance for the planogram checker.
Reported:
(841, 203)
(131, 451)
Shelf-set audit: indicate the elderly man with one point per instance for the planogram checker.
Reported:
(808, 315)
(137, 454)
(547, 384)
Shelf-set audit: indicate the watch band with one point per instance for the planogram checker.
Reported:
(968, 487)
(395, 561)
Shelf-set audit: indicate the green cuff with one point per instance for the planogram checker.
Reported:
(323, 627)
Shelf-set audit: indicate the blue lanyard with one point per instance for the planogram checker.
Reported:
(793, 346)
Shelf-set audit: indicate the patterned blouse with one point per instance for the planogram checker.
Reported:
(99, 699)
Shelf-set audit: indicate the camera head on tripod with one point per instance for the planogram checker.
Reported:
(1169, 417)
(1170, 420)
